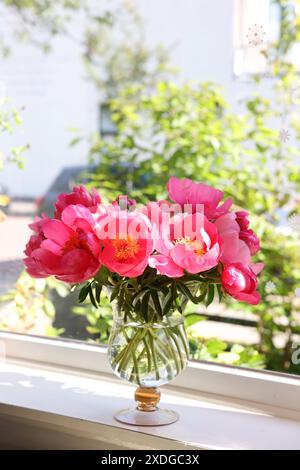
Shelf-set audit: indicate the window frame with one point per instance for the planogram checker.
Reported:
(263, 387)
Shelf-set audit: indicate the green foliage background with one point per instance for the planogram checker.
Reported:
(191, 131)
(163, 129)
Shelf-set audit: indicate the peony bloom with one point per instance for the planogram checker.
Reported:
(242, 219)
(79, 195)
(33, 244)
(247, 235)
(240, 281)
(127, 242)
(234, 250)
(192, 245)
(251, 240)
(67, 249)
(187, 191)
(124, 202)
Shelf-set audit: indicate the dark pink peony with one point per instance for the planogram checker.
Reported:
(124, 202)
(187, 191)
(251, 240)
(240, 281)
(67, 249)
(242, 219)
(79, 195)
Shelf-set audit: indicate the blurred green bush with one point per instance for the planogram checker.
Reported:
(190, 131)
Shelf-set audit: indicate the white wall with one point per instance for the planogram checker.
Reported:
(201, 31)
(56, 95)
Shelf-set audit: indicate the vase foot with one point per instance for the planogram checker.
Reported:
(135, 417)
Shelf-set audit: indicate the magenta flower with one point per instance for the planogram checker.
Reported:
(234, 250)
(124, 200)
(251, 240)
(187, 191)
(79, 195)
(67, 249)
(127, 242)
(192, 245)
(242, 219)
(240, 281)
(246, 234)
(194, 234)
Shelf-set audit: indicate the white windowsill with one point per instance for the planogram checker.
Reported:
(53, 407)
(262, 387)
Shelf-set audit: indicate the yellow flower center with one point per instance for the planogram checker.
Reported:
(197, 246)
(125, 248)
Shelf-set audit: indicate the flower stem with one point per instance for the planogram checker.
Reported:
(152, 347)
(173, 337)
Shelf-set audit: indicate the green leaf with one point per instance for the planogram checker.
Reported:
(49, 308)
(193, 318)
(215, 346)
(185, 291)
(98, 289)
(139, 295)
(91, 294)
(210, 295)
(93, 329)
(102, 275)
(168, 303)
(115, 292)
(84, 291)
(156, 302)
(145, 306)
(220, 292)
(75, 141)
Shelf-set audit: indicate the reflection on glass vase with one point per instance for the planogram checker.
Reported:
(148, 354)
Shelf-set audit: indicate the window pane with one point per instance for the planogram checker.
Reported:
(123, 96)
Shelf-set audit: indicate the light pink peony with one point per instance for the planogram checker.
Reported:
(68, 248)
(79, 195)
(192, 245)
(234, 250)
(127, 242)
(187, 191)
(240, 281)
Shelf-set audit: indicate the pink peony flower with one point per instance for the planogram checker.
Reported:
(192, 245)
(79, 195)
(124, 202)
(36, 239)
(187, 191)
(247, 235)
(127, 242)
(242, 219)
(67, 249)
(166, 266)
(240, 281)
(234, 250)
(251, 240)
(160, 214)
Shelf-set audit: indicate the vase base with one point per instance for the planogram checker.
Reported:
(135, 417)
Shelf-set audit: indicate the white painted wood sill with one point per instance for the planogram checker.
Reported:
(56, 408)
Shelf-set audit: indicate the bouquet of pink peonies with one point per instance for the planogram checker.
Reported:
(150, 260)
(192, 240)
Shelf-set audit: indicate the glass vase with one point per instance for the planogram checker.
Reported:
(149, 354)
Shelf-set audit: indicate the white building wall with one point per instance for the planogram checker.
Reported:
(57, 96)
